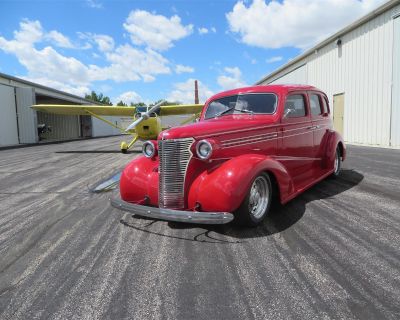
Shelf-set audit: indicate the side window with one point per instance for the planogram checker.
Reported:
(295, 106)
(326, 105)
(315, 104)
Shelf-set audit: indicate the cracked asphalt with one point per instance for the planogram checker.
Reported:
(331, 253)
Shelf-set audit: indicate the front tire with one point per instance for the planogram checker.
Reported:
(257, 203)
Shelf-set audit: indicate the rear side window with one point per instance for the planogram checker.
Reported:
(295, 106)
(315, 105)
(326, 105)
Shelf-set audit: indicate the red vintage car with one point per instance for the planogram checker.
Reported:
(250, 146)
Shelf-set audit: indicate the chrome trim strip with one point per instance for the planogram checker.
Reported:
(249, 141)
(173, 215)
(249, 137)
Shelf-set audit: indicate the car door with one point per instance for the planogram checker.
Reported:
(296, 139)
(320, 123)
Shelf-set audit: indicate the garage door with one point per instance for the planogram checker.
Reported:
(8, 118)
(395, 123)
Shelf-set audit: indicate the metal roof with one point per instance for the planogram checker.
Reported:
(381, 9)
(44, 90)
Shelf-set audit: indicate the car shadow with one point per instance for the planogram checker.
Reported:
(98, 151)
(281, 217)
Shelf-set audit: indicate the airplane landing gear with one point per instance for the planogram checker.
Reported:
(124, 147)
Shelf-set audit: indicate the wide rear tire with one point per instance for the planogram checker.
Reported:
(337, 165)
(257, 203)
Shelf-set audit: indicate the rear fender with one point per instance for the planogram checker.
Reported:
(334, 140)
(223, 189)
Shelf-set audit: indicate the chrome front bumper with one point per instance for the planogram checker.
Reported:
(173, 215)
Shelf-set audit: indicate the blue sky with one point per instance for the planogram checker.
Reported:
(148, 50)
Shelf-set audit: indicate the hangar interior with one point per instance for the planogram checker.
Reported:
(19, 124)
(359, 69)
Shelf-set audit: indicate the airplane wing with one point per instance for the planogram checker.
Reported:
(85, 110)
(180, 109)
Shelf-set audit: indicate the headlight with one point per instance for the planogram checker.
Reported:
(148, 149)
(204, 149)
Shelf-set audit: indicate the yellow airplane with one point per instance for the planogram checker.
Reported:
(146, 124)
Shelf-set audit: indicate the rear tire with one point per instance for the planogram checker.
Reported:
(337, 165)
(257, 203)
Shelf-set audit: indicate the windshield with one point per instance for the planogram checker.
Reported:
(259, 103)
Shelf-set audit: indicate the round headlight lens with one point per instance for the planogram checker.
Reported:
(148, 149)
(204, 149)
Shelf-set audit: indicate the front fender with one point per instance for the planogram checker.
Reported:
(224, 188)
(139, 181)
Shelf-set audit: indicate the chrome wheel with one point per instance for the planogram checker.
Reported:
(259, 197)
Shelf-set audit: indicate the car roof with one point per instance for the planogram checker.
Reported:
(276, 88)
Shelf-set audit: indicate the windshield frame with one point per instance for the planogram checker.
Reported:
(242, 94)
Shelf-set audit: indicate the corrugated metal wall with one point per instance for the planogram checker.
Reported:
(8, 117)
(296, 76)
(361, 68)
(395, 124)
(100, 128)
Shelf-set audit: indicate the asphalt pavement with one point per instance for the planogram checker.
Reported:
(331, 253)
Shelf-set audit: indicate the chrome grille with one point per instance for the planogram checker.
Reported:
(174, 159)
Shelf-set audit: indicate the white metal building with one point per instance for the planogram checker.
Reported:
(359, 69)
(19, 123)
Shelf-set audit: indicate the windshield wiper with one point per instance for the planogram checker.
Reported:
(233, 108)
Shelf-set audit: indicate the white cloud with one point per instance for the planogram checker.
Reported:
(94, 4)
(274, 59)
(182, 69)
(29, 32)
(59, 39)
(202, 31)
(232, 80)
(129, 64)
(155, 31)
(128, 97)
(184, 92)
(49, 67)
(294, 23)
(104, 42)
(213, 30)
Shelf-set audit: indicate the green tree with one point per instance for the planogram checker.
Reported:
(139, 104)
(121, 104)
(166, 103)
(98, 98)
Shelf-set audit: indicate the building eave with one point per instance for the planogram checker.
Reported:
(381, 9)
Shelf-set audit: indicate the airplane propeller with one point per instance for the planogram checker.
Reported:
(145, 115)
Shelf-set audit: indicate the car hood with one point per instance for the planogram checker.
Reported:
(217, 126)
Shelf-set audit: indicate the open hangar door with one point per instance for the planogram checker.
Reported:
(61, 127)
(18, 121)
